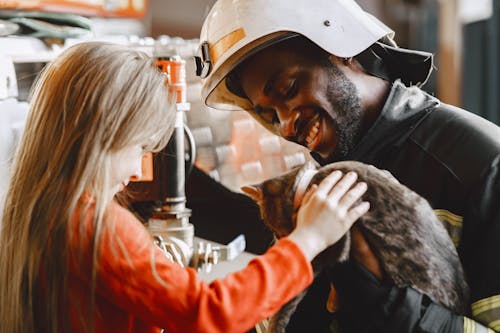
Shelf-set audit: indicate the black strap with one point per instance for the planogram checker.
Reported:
(392, 63)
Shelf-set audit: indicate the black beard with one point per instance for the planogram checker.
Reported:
(343, 96)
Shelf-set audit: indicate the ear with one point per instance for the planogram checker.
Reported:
(253, 192)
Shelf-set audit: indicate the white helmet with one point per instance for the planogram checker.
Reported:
(236, 29)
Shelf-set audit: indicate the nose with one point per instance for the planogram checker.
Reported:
(137, 174)
(287, 122)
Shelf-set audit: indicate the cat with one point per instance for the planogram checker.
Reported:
(411, 243)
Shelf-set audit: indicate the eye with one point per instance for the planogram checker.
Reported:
(292, 89)
(287, 87)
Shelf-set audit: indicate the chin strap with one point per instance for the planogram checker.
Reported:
(302, 185)
(392, 63)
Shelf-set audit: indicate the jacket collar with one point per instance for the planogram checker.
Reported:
(403, 110)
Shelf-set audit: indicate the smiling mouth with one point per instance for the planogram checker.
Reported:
(311, 133)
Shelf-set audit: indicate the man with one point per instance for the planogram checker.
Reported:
(327, 75)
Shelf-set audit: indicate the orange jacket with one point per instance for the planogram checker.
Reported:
(135, 295)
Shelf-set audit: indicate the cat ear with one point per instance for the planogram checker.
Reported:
(253, 192)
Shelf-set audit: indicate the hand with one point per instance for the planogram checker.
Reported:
(327, 212)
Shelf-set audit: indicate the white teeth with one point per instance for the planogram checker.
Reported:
(313, 132)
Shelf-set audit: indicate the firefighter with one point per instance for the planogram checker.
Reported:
(329, 76)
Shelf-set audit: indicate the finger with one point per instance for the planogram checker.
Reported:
(343, 186)
(353, 194)
(356, 212)
(309, 194)
(326, 184)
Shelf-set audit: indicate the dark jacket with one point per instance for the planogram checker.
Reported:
(450, 157)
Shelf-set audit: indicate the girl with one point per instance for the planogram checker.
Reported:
(71, 259)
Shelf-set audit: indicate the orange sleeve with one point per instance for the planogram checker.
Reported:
(136, 276)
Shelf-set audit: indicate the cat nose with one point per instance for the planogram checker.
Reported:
(288, 121)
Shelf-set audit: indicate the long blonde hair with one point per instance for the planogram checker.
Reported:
(94, 99)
